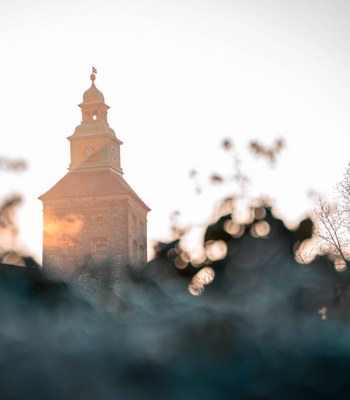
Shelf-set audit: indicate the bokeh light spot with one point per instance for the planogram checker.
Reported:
(180, 263)
(185, 256)
(260, 213)
(236, 230)
(260, 229)
(202, 278)
(14, 259)
(172, 254)
(323, 311)
(216, 249)
(340, 265)
(198, 257)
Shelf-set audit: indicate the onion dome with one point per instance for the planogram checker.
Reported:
(93, 95)
(94, 113)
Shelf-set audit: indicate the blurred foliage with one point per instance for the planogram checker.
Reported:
(333, 224)
(242, 320)
(12, 165)
(241, 178)
(8, 227)
(7, 211)
(269, 153)
(266, 327)
(8, 207)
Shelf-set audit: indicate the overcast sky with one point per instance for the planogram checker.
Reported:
(179, 77)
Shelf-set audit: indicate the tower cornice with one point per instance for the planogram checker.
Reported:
(95, 136)
(86, 106)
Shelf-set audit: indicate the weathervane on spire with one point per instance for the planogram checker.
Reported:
(92, 76)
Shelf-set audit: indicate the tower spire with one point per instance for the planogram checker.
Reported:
(94, 145)
(93, 76)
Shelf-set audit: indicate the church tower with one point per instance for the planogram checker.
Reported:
(92, 216)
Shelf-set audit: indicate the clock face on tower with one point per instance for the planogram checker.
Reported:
(88, 152)
(114, 154)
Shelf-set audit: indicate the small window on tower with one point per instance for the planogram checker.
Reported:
(86, 116)
(99, 218)
(94, 115)
(100, 244)
(101, 247)
(70, 246)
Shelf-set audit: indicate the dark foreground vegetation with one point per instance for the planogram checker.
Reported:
(265, 328)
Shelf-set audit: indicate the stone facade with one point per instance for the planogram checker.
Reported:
(92, 217)
(106, 228)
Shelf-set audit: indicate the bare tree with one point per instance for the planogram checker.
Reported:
(9, 205)
(7, 209)
(269, 153)
(333, 224)
(12, 165)
(218, 178)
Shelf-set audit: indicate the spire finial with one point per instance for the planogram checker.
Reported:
(93, 76)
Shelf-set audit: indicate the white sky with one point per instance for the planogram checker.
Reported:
(179, 77)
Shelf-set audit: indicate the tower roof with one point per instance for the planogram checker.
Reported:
(93, 95)
(96, 183)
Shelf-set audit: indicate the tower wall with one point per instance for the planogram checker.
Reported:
(137, 221)
(86, 222)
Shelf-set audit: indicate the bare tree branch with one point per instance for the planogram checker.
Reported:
(268, 153)
(12, 165)
(332, 228)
